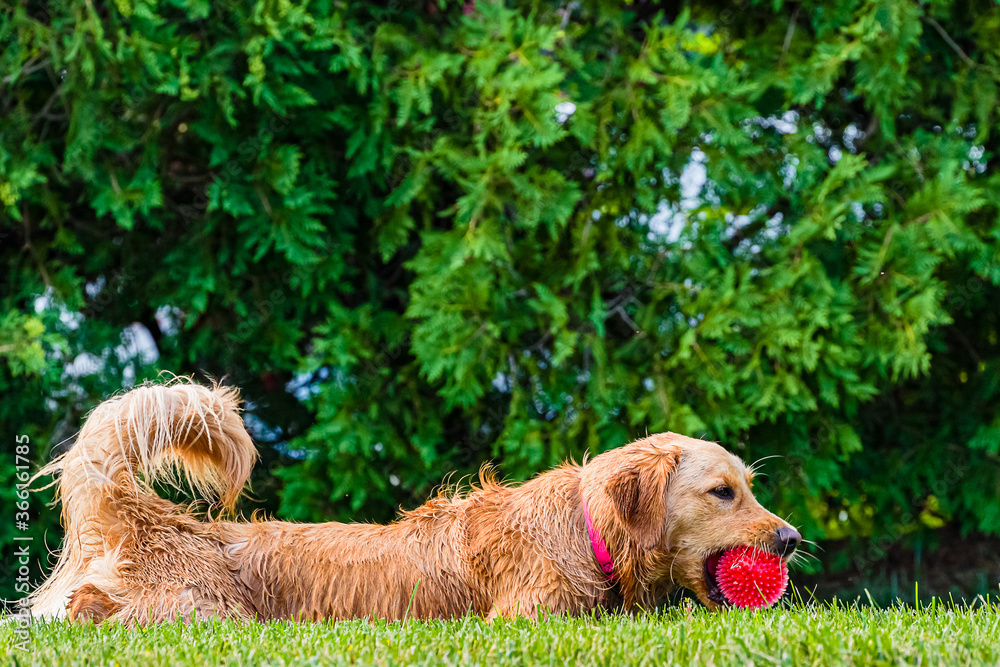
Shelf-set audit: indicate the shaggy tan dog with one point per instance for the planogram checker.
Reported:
(659, 511)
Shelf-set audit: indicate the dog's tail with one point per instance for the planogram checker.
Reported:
(154, 433)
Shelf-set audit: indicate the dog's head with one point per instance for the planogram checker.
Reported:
(674, 504)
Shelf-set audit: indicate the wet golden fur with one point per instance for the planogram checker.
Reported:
(497, 550)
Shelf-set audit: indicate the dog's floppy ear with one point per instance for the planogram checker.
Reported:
(638, 492)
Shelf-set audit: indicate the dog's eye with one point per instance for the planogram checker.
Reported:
(724, 492)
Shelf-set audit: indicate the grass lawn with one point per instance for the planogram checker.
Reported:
(814, 635)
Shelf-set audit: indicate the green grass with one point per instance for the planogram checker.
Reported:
(814, 635)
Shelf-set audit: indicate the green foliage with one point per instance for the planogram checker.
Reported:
(425, 235)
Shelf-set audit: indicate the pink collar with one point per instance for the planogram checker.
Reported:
(599, 546)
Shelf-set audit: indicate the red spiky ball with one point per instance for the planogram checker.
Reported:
(751, 578)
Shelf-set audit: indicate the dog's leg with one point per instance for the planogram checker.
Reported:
(525, 604)
(92, 604)
(548, 596)
(171, 604)
(503, 610)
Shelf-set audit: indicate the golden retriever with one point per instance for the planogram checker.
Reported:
(617, 532)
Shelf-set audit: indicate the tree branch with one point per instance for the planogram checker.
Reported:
(30, 67)
(954, 45)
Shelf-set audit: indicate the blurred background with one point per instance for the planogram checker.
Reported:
(422, 235)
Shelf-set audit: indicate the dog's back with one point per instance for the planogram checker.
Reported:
(335, 570)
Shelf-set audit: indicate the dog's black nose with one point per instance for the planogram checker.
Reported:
(786, 540)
